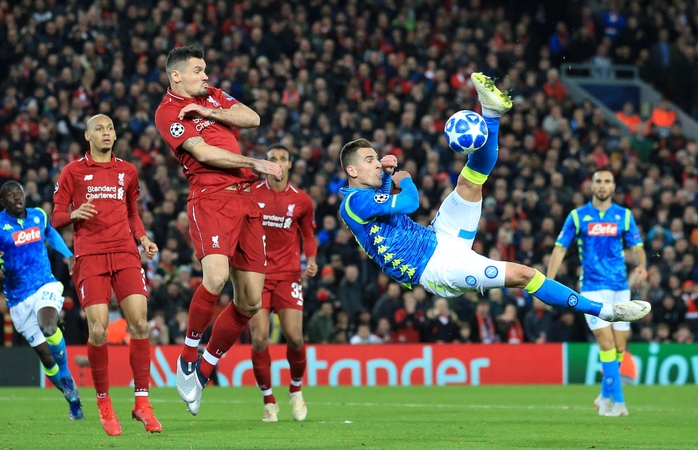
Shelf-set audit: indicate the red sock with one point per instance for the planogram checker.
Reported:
(139, 357)
(226, 330)
(98, 356)
(200, 313)
(296, 359)
(261, 366)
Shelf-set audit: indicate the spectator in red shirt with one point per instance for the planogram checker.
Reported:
(553, 87)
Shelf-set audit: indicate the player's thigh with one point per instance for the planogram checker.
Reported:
(455, 268)
(215, 223)
(48, 304)
(92, 280)
(25, 322)
(129, 277)
(458, 218)
(251, 250)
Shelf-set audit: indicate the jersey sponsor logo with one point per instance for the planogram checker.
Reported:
(105, 192)
(273, 221)
(380, 198)
(491, 272)
(603, 229)
(176, 129)
(88, 177)
(23, 237)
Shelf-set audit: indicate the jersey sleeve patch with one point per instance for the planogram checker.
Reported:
(381, 198)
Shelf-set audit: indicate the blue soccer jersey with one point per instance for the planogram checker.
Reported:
(601, 237)
(378, 220)
(25, 259)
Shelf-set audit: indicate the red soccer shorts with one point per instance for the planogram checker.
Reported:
(282, 294)
(229, 223)
(96, 275)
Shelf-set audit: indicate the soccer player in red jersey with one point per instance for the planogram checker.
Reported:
(196, 121)
(98, 194)
(287, 214)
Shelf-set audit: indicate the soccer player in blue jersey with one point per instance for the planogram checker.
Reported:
(33, 294)
(440, 257)
(601, 229)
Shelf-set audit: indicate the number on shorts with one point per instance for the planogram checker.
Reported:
(47, 295)
(297, 291)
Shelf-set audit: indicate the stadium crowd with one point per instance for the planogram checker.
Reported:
(322, 73)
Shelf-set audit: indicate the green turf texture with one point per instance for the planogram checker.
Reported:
(489, 417)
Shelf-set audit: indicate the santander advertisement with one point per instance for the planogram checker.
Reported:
(352, 365)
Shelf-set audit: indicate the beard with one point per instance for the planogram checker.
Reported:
(105, 149)
(602, 198)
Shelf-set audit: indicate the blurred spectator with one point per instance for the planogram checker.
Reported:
(158, 332)
(409, 321)
(482, 324)
(178, 326)
(442, 323)
(321, 326)
(350, 294)
(510, 329)
(538, 323)
(387, 304)
(364, 336)
(629, 117)
(569, 327)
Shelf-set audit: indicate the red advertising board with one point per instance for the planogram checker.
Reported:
(362, 365)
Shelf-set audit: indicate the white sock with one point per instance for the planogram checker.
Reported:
(606, 312)
(486, 112)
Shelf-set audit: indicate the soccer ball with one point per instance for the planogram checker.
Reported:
(465, 131)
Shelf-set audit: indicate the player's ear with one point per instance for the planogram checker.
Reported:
(87, 135)
(351, 171)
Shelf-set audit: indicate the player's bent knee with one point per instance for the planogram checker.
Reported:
(295, 342)
(98, 336)
(48, 330)
(259, 345)
(139, 328)
(518, 275)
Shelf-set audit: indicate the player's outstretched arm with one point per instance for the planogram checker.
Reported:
(218, 157)
(237, 115)
(556, 259)
(365, 204)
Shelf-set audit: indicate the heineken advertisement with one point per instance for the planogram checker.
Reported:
(646, 364)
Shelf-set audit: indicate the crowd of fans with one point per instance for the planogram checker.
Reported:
(320, 73)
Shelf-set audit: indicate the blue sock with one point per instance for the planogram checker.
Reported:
(611, 376)
(54, 376)
(557, 294)
(56, 344)
(481, 163)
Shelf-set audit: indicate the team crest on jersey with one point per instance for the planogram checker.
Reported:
(176, 129)
(380, 198)
(491, 272)
(291, 207)
(213, 100)
(121, 179)
(36, 220)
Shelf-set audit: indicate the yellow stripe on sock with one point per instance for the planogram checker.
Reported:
(619, 356)
(535, 283)
(472, 176)
(607, 355)
(52, 371)
(56, 338)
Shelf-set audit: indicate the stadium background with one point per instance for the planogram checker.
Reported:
(321, 73)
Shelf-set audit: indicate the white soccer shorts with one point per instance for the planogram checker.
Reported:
(455, 268)
(612, 298)
(24, 314)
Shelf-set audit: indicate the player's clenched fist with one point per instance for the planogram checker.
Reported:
(399, 176)
(85, 211)
(389, 163)
(150, 247)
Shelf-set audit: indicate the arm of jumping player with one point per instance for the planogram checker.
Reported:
(218, 157)
(389, 163)
(365, 204)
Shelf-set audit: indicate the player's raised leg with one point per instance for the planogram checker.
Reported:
(98, 356)
(228, 327)
(215, 269)
(261, 363)
(135, 309)
(556, 294)
(292, 326)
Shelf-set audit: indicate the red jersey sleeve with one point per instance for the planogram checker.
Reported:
(307, 225)
(134, 220)
(226, 100)
(173, 131)
(63, 198)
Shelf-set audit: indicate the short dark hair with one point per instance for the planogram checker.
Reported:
(8, 186)
(280, 147)
(348, 152)
(604, 169)
(182, 54)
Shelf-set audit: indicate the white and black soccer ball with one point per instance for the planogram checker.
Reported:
(465, 131)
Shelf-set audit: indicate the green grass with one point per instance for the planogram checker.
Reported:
(490, 417)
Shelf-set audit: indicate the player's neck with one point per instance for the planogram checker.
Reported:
(601, 205)
(100, 156)
(277, 186)
(180, 92)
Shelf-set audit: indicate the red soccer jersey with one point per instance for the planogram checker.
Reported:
(202, 178)
(113, 187)
(286, 216)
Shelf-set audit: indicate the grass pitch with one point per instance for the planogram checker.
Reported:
(489, 417)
